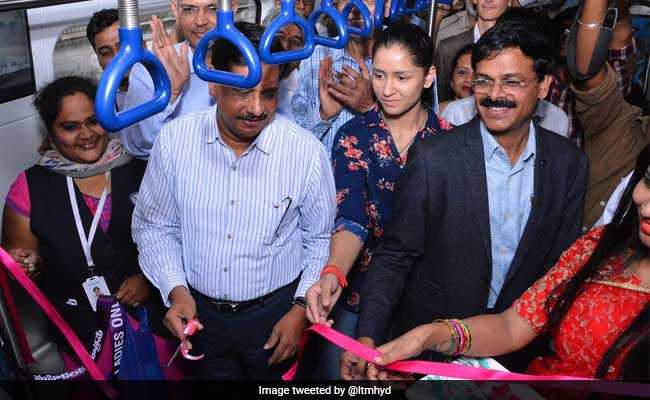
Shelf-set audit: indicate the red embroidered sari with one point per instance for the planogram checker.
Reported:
(598, 316)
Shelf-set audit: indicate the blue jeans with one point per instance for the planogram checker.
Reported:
(345, 322)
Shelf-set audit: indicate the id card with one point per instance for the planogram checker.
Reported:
(94, 287)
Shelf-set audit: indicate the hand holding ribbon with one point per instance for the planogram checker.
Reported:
(186, 346)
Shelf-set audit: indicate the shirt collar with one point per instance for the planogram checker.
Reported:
(263, 142)
(477, 33)
(491, 146)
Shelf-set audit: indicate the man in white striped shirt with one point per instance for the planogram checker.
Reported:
(233, 223)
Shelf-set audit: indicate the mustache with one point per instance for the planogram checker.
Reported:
(498, 103)
(251, 117)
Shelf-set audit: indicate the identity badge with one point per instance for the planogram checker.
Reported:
(94, 287)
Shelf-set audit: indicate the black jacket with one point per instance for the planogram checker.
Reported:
(435, 260)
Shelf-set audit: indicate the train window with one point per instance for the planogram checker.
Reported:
(16, 68)
(73, 54)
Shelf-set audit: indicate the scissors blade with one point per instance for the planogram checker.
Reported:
(173, 357)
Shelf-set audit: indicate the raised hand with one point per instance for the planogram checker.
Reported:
(329, 105)
(176, 65)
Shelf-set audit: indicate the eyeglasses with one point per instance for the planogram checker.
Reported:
(510, 86)
(190, 11)
(73, 126)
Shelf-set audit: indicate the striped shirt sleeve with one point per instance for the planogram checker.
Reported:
(156, 225)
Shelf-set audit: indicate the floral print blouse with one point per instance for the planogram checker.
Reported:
(598, 316)
(366, 166)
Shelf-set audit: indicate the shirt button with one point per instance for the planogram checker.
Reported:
(225, 269)
(229, 236)
(503, 250)
(234, 168)
(508, 215)
(232, 202)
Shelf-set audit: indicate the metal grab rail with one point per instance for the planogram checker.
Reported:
(226, 29)
(365, 14)
(327, 8)
(287, 16)
(132, 51)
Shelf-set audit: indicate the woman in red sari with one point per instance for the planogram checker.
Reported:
(593, 304)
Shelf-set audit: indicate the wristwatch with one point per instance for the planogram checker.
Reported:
(301, 301)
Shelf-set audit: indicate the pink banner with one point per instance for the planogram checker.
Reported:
(472, 373)
(60, 323)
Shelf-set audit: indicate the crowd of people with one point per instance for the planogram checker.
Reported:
(483, 194)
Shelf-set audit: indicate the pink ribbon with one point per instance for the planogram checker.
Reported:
(472, 373)
(60, 323)
(190, 329)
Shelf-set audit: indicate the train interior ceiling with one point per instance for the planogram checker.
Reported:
(41, 44)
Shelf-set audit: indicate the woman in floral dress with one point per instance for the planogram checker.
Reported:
(369, 154)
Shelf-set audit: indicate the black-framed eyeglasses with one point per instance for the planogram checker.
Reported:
(511, 86)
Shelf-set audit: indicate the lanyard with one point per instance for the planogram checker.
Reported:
(86, 242)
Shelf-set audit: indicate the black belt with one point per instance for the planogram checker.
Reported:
(235, 306)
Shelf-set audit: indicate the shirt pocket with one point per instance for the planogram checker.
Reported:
(282, 212)
(269, 219)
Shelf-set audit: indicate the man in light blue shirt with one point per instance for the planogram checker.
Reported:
(334, 84)
(189, 93)
(510, 194)
(233, 223)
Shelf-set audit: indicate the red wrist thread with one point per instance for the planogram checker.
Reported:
(334, 269)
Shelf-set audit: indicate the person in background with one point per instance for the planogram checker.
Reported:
(233, 223)
(479, 213)
(369, 155)
(292, 38)
(80, 169)
(488, 11)
(335, 84)
(456, 19)
(615, 131)
(461, 79)
(594, 304)
(189, 93)
(549, 116)
(104, 37)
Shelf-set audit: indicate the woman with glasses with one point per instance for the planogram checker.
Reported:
(593, 304)
(67, 219)
(369, 154)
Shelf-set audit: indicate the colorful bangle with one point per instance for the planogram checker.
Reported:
(460, 339)
(334, 269)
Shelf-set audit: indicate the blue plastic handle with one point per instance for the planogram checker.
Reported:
(396, 10)
(226, 29)
(378, 18)
(131, 52)
(287, 16)
(327, 7)
(365, 13)
(418, 6)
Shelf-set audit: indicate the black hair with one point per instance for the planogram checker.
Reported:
(414, 40)
(49, 100)
(100, 21)
(224, 55)
(523, 29)
(619, 236)
(467, 49)
(636, 366)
